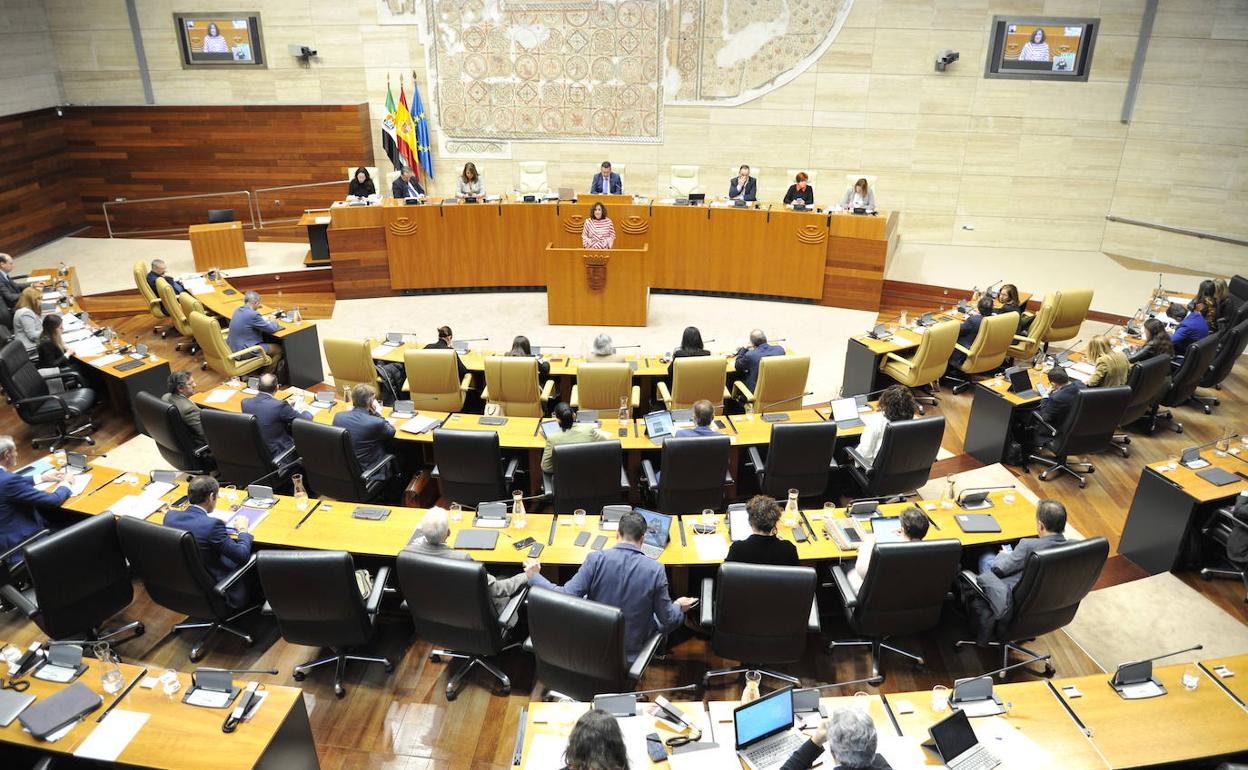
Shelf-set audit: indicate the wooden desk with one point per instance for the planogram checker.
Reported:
(597, 287)
(864, 356)
(218, 245)
(1236, 685)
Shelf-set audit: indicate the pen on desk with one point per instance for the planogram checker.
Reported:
(931, 521)
(635, 429)
(813, 534)
(681, 522)
(733, 424)
(123, 694)
(553, 521)
(309, 513)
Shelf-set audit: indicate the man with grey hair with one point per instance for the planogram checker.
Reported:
(159, 268)
(181, 387)
(435, 528)
(248, 327)
(369, 430)
(851, 740)
(749, 358)
(20, 501)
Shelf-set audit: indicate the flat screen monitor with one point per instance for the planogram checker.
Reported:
(219, 39)
(1038, 47)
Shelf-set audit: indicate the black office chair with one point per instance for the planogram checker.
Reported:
(587, 476)
(470, 468)
(1185, 379)
(1089, 427)
(458, 618)
(904, 460)
(694, 474)
(169, 563)
(1053, 583)
(37, 405)
(1230, 349)
(15, 573)
(216, 216)
(800, 456)
(1217, 531)
(1147, 380)
(240, 453)
(579, 646)
(1239, 288)
(331, 466)
(760, 615)
(78, 580)
(317, 602)
(903, 593)
(164, 425)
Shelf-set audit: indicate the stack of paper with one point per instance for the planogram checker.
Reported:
(419, 424)
(381, 351)
(219, 396)
(90, 346)
(136, 506)
(198, 286)
(739, 524)
(710, 547)
(71, 323)
(545, 752)
(76, 483)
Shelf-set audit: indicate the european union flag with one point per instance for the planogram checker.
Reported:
(423, 155)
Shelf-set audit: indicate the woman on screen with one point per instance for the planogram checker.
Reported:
(469, 184)
(1037, 49)
(214, 42)
(860, 196)
(362, 185)
(598, 232)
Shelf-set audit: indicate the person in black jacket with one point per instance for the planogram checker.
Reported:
(1053, 409)
(1237, 541)
(851, 740)
(800, 189)
(361, 184)
(406, 186)
(446, 341)
(1157, 342)
(51, 346)
(762, 546)
(596, 743)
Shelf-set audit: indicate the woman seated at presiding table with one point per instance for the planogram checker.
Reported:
(603, 351)
(799, 189)
(53, 356)
(469, 184)
(361, 185)
(763, 546)
(743, 186)
(1111, 365)
(520, 347)
(1156, 342)
(860, 196)
(570, 432)
(26, 324)
(896, 404)
(599, 231)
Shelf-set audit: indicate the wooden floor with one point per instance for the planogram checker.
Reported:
(402, 720)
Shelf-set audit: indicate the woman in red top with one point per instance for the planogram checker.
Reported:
(599, 232)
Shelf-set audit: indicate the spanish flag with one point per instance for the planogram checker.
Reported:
(406, 131)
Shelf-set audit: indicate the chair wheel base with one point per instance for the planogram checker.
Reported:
(299, 676)
(339, 691)
(389, 668)
(1049, 671)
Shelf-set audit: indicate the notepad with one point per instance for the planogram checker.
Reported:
(76, 484)
(1217, 476)
(419, 424)
(381, 351)
(110, 737)
(710, 547)
(219, 396)
(135, 506)
(88, 347)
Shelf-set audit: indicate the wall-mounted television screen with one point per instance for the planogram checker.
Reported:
(1041, 47)
(220, 39)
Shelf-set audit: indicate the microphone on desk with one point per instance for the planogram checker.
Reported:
(807, 698)
(626, 347)
(468, 507)
(1139, 671)
(780, 416)
(1062, 356)
(622, 704)
(990, 290)
(473, 339)
(964, 497)
(977, 688)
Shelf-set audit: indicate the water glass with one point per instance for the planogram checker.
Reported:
(708, 517)
(862, 701)
(1222, 446)
(11, 654)
(1190, 678)
(578, 517)
(169, 682)
(940, 698)
(112, 680)
(58, 458)
(456, 513)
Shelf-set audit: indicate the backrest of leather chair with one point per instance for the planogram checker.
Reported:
(314, 597)
(145, 290)
(992, 343)
(693, 472)
(1068, 316)
(433, 379)
(1148, 380)
(469, 465)
(512, 382)
(1053, 583)
(684, 179)
(216, 353)
(587, 475)
(698, 377)
(932, 357)
(799, 458)
(171, 567)
(905, 587)
(1186, 379)
(450, 603)
(189, 305)
(533, 177)
(350, 362)
(80, 577)
(169, 300)
(237, 446)
(601, 386)
(762, 612)
(329, 461)
(906, 455)
(1039, 328)
(1229, 350)
(19, 376)
(1091, 421)
(164, 425)
(1239, 287)
(781, 377)
(578, 644)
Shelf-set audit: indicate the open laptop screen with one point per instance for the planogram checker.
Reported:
(887, 529)
(658, 528)
(658, 424)
(763, 718)
(953, 735)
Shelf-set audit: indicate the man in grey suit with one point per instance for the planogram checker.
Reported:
(1000, 572)
(181, 386)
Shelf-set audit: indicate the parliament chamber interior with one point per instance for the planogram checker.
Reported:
(484, 384)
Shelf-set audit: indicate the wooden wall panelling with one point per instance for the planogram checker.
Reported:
(37, 198)
(361, 267)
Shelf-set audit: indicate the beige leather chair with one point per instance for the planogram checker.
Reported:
(1028, 345)
(217, 354)
(694, 379)
(180, 320)
(601, 386)
(511, 382)
(189, 305)
(685, 180)
(533, 179)
(929, 361)
(988, 350)
(153, 302)
(1071, 311)
(780, 378)
(433, 380)
(852, 179)
(351, 363)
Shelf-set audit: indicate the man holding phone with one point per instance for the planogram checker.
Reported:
(221, 553)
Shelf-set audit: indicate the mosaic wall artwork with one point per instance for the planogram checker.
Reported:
(399, 11)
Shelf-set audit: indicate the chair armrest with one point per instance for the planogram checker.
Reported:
(574, 400)
(379, 587)
(509, 475)
(956, 346)
(4, 557)
(898, 359)
(466, 383)
(973, 581)
(652, 480)
(202, 452)
(513, 606)
(665, 395)
(548, 484)
(383, 462)
(527, 645)
(812, 622)
(754, 459)
(738, 385)
(859, 460)
(246, 352)
(706, 603)
(841, 580)
(624, 479)
(548, 390)
(37, 401)
(635, 397)
(1024, 338)
(227, 582)
(1036, 416)
(18, 599)
(643, 658)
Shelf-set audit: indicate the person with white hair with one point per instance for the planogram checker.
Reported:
(604, 351)
(160, 270)
(435, 528)
(20, 501)
(851, 740)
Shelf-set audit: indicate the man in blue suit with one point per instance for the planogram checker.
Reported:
(369, 430)
(20, 501)
(703, 415)
(606, 183)
(159, 270)
(220, 553)
(969, 329)
(274, 416)
(248, 327)
(1052, 410)
(748, 358)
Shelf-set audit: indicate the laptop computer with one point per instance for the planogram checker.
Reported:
(393, 339)
(1020, 382)
(977, 522)
(658, 532)
(957, 745)
(887, 529)
(659, 426)
(765, 735)
(845, 413)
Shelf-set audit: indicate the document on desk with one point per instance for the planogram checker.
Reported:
(381, 351)
(157, 489)
(546, 753)
(219, 396)
(107, 360)
(1008, 743)
(900, 752)
(77, 335)
(76, 484)
(716, 758)
(91, 346)
(71, 323)
(110, 737)
(198, 286)
(135, 506)
(323, 220)
(710, 547)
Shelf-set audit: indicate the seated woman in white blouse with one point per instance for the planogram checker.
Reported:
(914, 524)
(469, 184)
(860, 196)
(896, 403)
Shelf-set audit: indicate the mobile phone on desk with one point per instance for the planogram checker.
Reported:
(581, 539)
(799, 535)
(536, 549)
(520, 545)
(599, 542)
(654, 747)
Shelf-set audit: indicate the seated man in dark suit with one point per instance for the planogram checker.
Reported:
(748, 358)
(220, 553)
(606, 183)
(763, 546)
(248, 327)
(703, 416)
(369, 430)
(1000, 571)
(446, 341)
(159, 270)
(406, 186)
(969, 329)
(1052, 410)
(274, 416)
(20, 501)
(10, 287)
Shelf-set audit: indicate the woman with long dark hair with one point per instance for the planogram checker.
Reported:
(596, 743)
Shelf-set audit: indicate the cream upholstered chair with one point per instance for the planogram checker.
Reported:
(217, 354)
(928, 362)
(511, 383)
(988, 350)
(852, 179)
(780, 378)
(179, 317)
(433, 380)
(685, 180)
(351, 362)
(694, 379)
(1028, 345)
(1069, 315)
(533, 179)
(349, 173)
(189, 305)
(149, 296)
(601, 386)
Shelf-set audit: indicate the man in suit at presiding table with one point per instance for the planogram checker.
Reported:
(274, 416)
(20, 501)
(220, 553)
(248, 327)
(607, 182)
(369, 430)
(406, 186)
(748, 358)
(10, 289)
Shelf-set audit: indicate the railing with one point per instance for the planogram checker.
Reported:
(1180, 230)
(287, 191)
(182, 229)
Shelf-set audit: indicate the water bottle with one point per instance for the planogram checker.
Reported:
(623, 417)
(518, 519)
(301, 494)
(904, 320)
(790, 509)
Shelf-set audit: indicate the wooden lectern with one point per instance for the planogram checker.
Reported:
(597, 287)
(218, 245)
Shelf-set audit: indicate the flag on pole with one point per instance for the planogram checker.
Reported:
(406, 132)
(389, 137)
(422, 130)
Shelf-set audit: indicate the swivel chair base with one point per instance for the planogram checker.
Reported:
(709, 675)
(1063, 465)
(339, 658)
(130, 631)
(1168, 417)
(1006, 649)
(456, 680)
(213, 626)
(1205, 402)
(63, 437)
(1209, 573)
(877, 647)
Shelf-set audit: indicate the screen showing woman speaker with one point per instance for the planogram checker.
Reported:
(1039, 47)
(219, 39)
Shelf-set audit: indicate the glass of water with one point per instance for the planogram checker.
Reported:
(1190, 678)
(578, 517)
(940, 698)
(456, 513)
(112, 679)
(708, 517)
(11, 654)
(169, 682)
